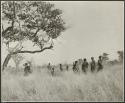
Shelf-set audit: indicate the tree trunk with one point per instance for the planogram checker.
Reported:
(6, 61)
(8, 57)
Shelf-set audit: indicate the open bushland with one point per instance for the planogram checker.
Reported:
(40, 85)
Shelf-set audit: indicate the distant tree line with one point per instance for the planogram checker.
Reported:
(115, 61)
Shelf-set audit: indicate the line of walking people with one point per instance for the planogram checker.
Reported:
(75, 68)
(85, 65)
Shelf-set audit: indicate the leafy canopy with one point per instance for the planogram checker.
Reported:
(36, 21)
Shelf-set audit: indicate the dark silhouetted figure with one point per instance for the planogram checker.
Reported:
(100, 66)
(52, 71)
(75, 66)
(61, 67)
(67, 67)
(93, 64)
(49, 66)
(27, 69)
(84, 65)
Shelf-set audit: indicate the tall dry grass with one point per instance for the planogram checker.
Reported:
(106, 85)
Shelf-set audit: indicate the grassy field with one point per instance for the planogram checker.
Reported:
(106, 85)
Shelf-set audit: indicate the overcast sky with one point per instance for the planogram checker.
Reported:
(94, 27)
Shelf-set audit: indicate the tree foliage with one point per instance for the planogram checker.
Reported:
(27, 19)
(36, 21)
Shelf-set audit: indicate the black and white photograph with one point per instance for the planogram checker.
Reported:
(62, 51)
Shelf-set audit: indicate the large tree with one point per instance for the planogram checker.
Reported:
(35, 21)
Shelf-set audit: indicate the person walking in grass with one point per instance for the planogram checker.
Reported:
(93, 64)
(52, 71)
(49, 66)
(67, 67)
(100, 66)
(75, 66)
(27, 69)
(60, 66)
(84, 65)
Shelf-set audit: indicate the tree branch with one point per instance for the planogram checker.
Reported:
(32, 52)
(36, 32)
